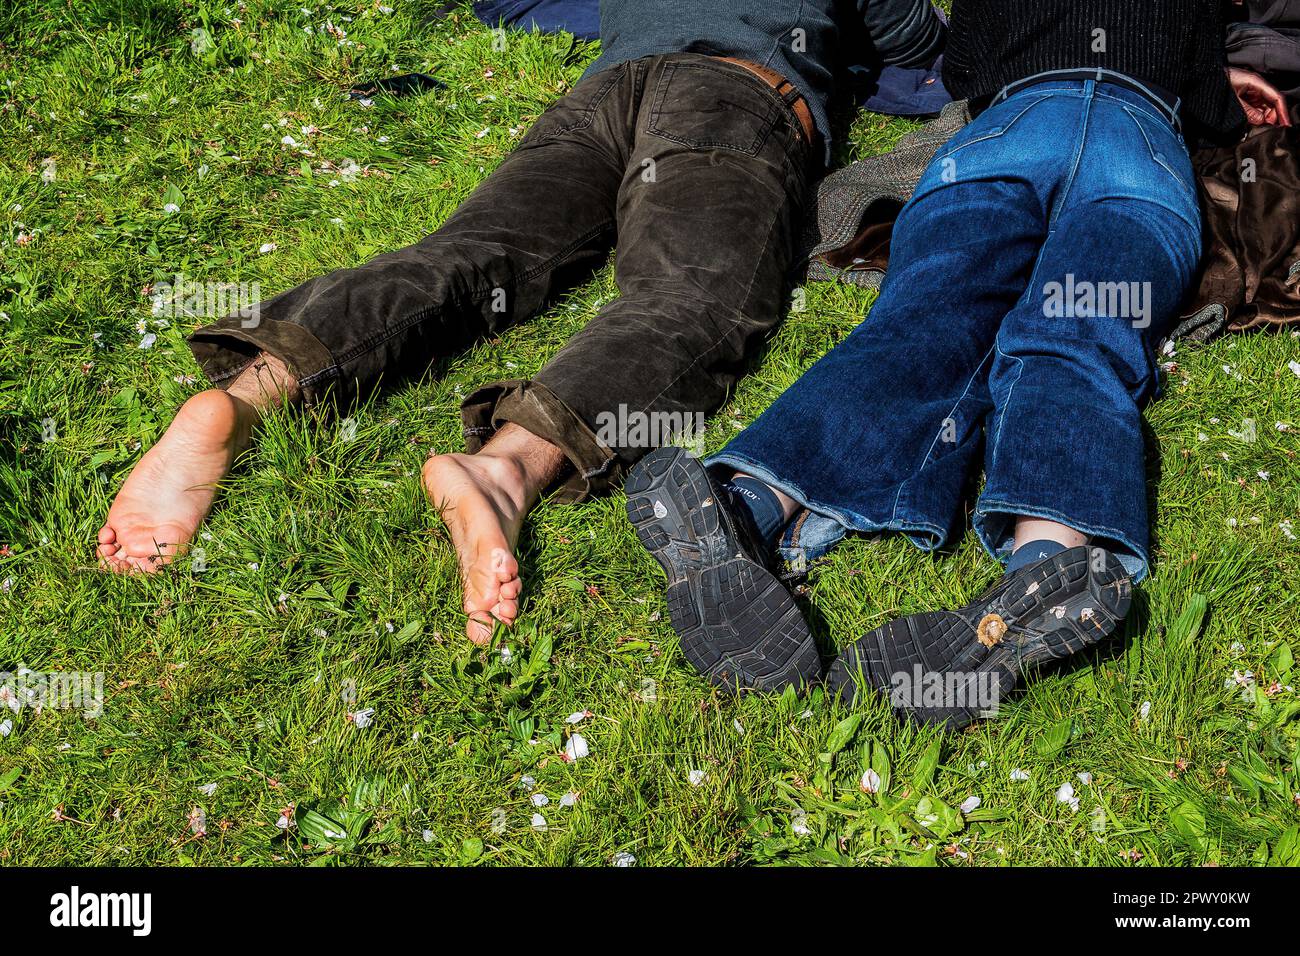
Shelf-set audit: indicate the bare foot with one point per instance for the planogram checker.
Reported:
(482, 500)
(170, 492)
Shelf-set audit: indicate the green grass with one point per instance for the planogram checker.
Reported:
(326, 571)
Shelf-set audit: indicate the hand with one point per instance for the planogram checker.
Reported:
(1263, 104)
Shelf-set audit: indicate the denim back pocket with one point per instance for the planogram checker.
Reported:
(1167, 150)
(708, 107)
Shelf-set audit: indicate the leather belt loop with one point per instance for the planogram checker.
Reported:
(788, 92)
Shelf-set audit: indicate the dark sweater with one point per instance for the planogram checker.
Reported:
(1177, 45)
(803, 40)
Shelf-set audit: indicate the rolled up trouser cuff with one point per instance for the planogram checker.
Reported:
(534, 407)
(227, 347)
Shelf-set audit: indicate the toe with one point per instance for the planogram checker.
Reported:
(510, 590)
(479, 628)
(505, 611)
(504, 565)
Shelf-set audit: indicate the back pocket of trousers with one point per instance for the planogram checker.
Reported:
(706, 107)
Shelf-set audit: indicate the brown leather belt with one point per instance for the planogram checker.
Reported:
(782, 87)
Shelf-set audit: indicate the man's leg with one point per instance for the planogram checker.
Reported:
(483, 498)
(171, 490)
(1074, 361)
(539, 222)
(706, 237)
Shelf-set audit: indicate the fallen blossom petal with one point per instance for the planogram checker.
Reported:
(970, 804)
(870, 782)
(576, 748)
(696, 777)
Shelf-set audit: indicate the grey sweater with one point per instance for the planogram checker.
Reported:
(803, 40)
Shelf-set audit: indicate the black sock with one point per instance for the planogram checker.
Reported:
(1032, 552)
(761, 502)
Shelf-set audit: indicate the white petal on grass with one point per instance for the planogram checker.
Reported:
(870, 782)
(970, 804)
(569, 799)
(171, 207)
(427, 835)
(1084, 778)
(1144, 710)
(6, 727)
(576, 748)
(1065, 794)
(208, 789)
(538, 822)
(696, 777)
(624, 859)
(267, 247)
(362, 718)
(1019, 774)
(539, 799)
(577, 717)
(147, 340)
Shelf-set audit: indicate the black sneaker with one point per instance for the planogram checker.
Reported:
(738, 624)
(950, 667)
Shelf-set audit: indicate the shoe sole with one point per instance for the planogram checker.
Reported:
(738, 625)
(1066, 604)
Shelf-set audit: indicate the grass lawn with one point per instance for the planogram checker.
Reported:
(133, 149)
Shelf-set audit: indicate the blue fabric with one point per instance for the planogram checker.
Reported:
(902, 91)
(884, 88)
(579, 17)
(1031, 552)
(971, 355)
(761, 502)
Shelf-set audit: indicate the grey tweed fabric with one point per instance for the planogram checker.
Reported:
(845, 197)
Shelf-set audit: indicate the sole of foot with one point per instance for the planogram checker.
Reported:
(484, 523)
(171, 490)
(738, 624)
(949, 668)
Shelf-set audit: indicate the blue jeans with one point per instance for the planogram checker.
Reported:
(1041, 258)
